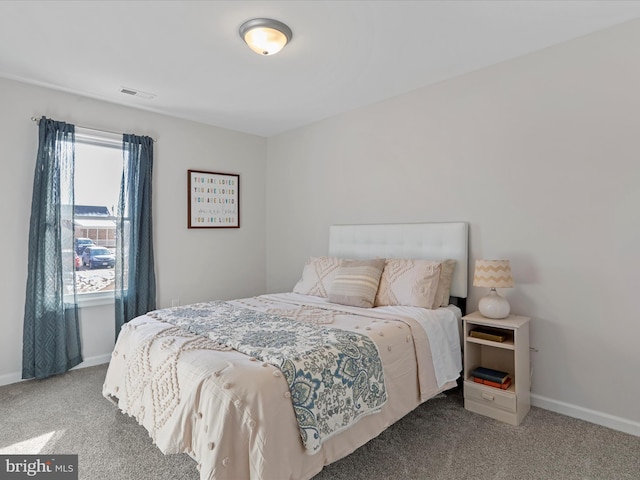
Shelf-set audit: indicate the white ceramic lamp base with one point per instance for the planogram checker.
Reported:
(494, 306)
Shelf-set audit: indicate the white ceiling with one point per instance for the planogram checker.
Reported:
(344, 54)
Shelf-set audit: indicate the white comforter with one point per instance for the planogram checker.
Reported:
(234, 415)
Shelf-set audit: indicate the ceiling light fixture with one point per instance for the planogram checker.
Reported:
(265, 36)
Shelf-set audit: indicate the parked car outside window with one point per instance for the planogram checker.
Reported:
(81, 243)
(94, 257)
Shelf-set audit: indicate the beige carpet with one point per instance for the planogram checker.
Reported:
(439, 440)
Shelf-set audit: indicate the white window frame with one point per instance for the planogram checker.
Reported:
(109, 140)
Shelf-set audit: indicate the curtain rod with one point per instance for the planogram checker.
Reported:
(37, 121)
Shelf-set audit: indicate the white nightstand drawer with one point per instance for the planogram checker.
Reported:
(490, 396)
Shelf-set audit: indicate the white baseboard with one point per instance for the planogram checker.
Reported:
(93, 361)
(16, 377)
(9, 378)
(592, 416)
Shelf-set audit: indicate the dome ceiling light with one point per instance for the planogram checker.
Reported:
(265, 36)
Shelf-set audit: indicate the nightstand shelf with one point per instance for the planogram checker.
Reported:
(507, 344)
(511, 355)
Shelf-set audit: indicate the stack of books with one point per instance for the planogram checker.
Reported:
(489, 334)
(492, 378)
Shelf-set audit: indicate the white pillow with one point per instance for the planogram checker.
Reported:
(409, 282)
(317, 276)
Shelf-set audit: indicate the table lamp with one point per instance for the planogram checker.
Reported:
(493, 274)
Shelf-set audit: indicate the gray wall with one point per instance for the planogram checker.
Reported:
(541, 155)
(191, 265)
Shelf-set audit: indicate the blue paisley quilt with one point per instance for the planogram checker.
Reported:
(334, 376)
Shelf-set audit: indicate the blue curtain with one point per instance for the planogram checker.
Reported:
(51, 335)
(135, 289)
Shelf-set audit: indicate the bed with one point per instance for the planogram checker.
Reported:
(278, 386)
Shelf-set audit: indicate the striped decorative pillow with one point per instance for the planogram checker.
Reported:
(356, 282)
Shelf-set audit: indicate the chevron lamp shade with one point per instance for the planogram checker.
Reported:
(493, 274)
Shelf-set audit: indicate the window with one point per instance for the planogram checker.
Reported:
(97, 178)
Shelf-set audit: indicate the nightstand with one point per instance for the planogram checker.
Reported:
(510, 355)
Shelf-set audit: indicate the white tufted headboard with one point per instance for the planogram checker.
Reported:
(431, 241)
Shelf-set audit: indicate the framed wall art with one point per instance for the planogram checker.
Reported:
(214, 199)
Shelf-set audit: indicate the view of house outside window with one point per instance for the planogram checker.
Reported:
(97, 176)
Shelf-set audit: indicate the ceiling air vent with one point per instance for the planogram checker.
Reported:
(136, 93)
